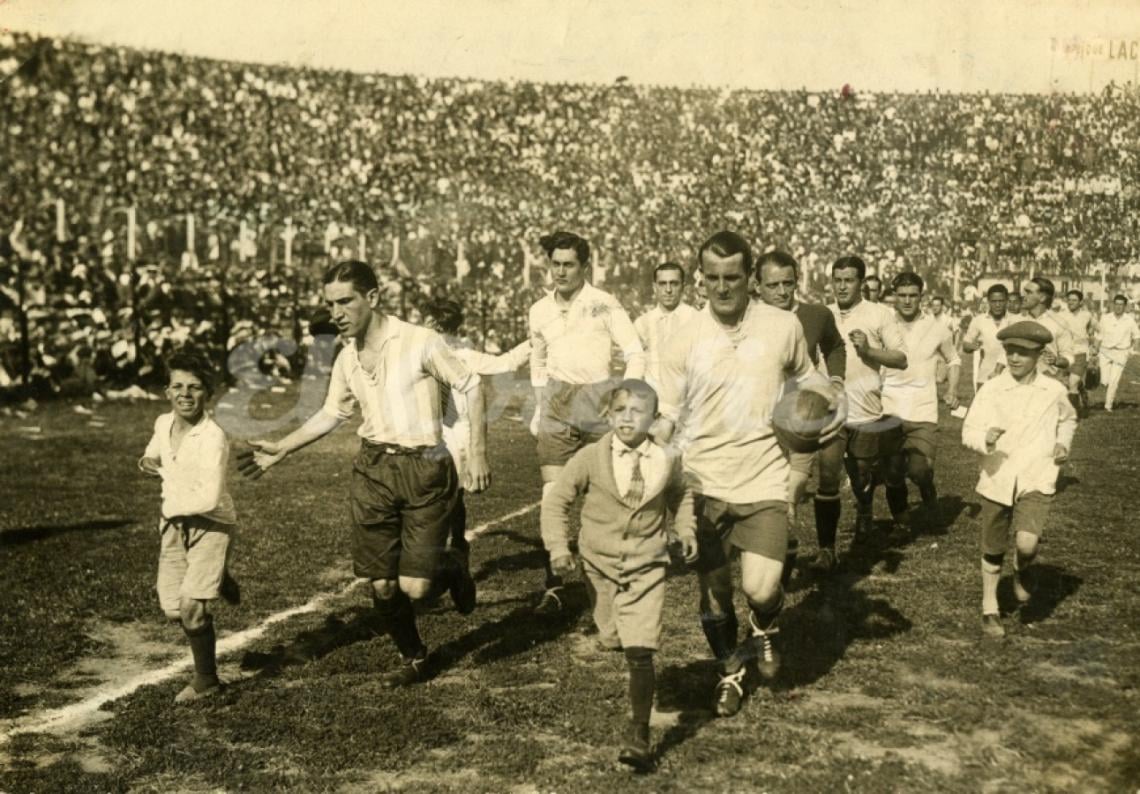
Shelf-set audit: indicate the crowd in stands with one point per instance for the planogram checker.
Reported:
(466, 175)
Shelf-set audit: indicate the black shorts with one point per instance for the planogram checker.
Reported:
(403, 508)
(874, 441)
(571, 419)
(757, 527)
(921, 438)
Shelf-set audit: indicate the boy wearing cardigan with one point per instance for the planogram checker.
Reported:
(629, 483)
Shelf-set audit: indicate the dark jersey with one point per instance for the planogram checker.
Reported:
(822, 337)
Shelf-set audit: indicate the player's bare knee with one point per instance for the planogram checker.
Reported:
(1026, 545)
(414, 587)
(385, 588)
(192, 613)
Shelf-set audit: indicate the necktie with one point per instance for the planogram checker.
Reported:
(636, 482)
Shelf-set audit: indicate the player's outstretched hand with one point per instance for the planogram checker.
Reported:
(151, 466)
(1060, 454)
(563, 566)
(253, 462)
(689, 548)
(478, 475)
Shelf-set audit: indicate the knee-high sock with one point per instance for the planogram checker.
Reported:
(991, 574)
(399, 619)
(827, 508)
(897, 499)
(642, 683)
(790, 558)
(459, 526)
(720, 631)
(203, 643)
(552, 579)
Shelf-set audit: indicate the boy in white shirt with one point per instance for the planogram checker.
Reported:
(1022, 422)
(190, 452)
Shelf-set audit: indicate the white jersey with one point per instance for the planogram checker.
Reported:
(456, 425)
(863, 384)
(984, 328)
(912, 393)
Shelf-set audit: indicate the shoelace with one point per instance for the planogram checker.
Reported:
(734, 680)
(766, 643)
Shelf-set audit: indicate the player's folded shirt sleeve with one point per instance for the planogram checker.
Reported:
(442, 364)
(949, 349)
(196, 486)
(892, 336)
(625, 337)
(154, 447)
(538, 371)
(339, 402)
(672, 378)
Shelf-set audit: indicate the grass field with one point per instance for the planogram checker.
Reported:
(888, 685)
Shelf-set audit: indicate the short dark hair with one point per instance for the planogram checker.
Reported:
(560, 239)
(998, 289)
(670, 265)
(938, 298)
(447, 313)
(1080, 295)
(1047, 288)
(850, 263)
(875, 278)
(908, 278)
(636, 387)
(197, 365)
(726, 244)
(359, 274)
(1120, 298)
(778, 259)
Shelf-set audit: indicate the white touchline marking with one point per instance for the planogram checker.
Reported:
(482, 528)
(76, 715)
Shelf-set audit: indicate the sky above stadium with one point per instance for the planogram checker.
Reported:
(905, 45)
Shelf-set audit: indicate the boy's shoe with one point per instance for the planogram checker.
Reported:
(410, 671)
(189, 694)
(551, 603)
(991, 626)
(864, 525)
(462, 586)
(230, 590)
(730, 693)
(635, 750)
(824, 562)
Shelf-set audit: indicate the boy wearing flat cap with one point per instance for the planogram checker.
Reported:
(1023, 424)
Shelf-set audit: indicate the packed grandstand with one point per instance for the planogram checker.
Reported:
(152, 199)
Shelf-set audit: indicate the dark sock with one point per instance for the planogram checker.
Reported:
(764, 615)
(790, 561)
(929, 493)
(720, 631)
(896, 500)
(827, 507)
(642, 682)
(399, 619)
(552, 579)
(459, 527)
(203, 643)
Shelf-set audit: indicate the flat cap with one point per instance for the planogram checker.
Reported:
(1025, 333)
